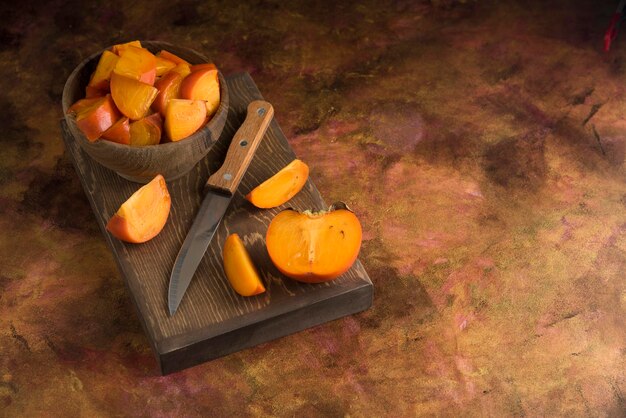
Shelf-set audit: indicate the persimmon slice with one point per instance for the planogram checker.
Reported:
(169, 88)
(132, 97)
(94, 116)
(119, 48)
(281, 187)
(183, 69)
(314, 247)
(163, 65)
(138, 64)
(119, 132)
(202, 85)
(144, 214)
(205, 66)
(239, 268)
(101, 76)
(146, 131)
(174, 58)
(183, 118)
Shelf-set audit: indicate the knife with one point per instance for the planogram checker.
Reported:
(219, 191)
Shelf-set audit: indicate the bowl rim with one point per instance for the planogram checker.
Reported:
(195, 137)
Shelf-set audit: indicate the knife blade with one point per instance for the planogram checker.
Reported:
(219, 191)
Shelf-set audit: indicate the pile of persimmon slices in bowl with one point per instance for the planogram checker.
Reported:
(135, 97)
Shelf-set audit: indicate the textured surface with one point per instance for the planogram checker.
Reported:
(482, 145)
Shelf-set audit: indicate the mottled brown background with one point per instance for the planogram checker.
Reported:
(481, 143)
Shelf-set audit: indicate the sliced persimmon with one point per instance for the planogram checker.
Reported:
(281, 187)
(83, 104)
(172, 57)
(146, 131)
(133, 98)
(239, 268)
(96, 117)
(205, 66)
(163, 65)
(119, 132)
(183, 69)
(169, 88)
(102, 75)
(91, 92)
(202, 85)
(314, 247)
(144, 214)
(183, 118)
(138, 64)
(119, 48)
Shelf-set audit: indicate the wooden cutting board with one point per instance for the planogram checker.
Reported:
(213, 320)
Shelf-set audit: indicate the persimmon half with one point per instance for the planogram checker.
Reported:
(314, 247)
(281, 187)
(239, 268)
(144, 214)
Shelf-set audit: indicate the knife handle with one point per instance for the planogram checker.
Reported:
(242, 148)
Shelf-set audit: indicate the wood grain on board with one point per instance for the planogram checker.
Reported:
(212, 319)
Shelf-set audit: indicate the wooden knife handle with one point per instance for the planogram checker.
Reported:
(242, 148)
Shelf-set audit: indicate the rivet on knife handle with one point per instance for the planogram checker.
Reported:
(242, 148)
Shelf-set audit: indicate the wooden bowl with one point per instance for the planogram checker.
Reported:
(141, 164)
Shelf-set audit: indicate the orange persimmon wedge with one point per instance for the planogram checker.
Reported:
(239, 268)
(132, 97)
(174, 58)
(95, 116)
(101, 76)
(202, 85)
(144, 214)
(119, 132)
(205, 66)
(138, 64)
(119, 48)
(163, 65)
(314, 247)
(183, 69)
(183, 118)
(91, 92)
(169, 88)
(281, 187)
(83, 104)
(146, 131)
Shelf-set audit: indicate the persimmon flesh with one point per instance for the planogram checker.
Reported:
(132, 97)
(239, 268)
(101, 76)
(119, 132)
(163, 65)
(169, 88)
(314, 247)
(183, 118)
(96, 117)
(120, 48)
(281, 187)
(138, 64)
(146, 131)
(144, 214)
(202, 85)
